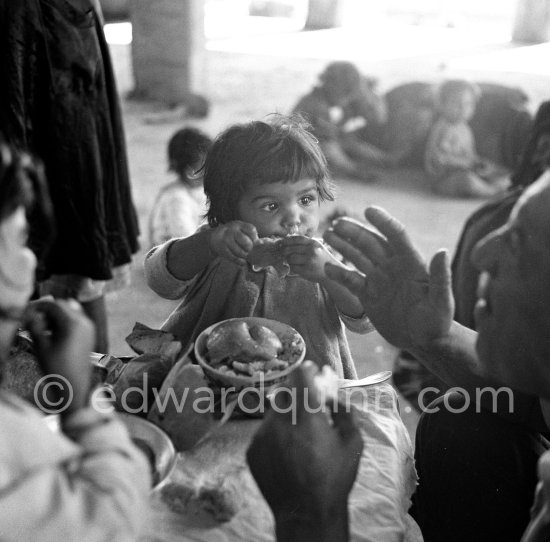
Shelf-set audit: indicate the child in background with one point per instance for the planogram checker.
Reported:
(348, 119)
(451, 159)
(262, 179)
(180, 206)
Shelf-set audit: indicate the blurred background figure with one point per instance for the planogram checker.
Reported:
(451, 157)
(180, 206)
(348, 118)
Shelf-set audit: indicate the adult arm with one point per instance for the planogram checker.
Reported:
(93, 488)
(410, 303)
(99, 492)
(304, 465)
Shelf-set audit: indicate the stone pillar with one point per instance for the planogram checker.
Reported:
(324, 14)
(167, 48)
(532, 21)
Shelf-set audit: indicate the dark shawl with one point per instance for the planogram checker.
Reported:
(58, 99)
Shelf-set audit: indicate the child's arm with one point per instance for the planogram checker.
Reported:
(307, 257)
(233, 240)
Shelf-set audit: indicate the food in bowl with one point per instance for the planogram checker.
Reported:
(235, 340)
(243, 350)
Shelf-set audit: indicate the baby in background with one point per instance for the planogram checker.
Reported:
(451, 159)
(262, 179)
(181, 205)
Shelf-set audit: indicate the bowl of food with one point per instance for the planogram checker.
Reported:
(150, 439)
(250, 351)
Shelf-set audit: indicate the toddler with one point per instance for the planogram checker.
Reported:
(450, 158)
(180, 206)
(348, 118)
(262, 179)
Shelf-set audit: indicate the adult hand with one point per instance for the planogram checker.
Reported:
(63, 337)
(409, 302)
(233, 240)
(307, 257)
(305, 463)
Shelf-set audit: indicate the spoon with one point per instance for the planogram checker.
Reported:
(376, 378)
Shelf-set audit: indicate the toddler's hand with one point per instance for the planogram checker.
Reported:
(307, 257)
(233, 240)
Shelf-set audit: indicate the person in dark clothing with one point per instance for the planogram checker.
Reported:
(58, 99)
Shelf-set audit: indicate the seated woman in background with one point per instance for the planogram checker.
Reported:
(348, 119)
(451, 158)
(89, 482)
(181, 205)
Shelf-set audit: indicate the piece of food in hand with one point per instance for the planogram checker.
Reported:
(268, 252)
(145, 340)
(265, 252)
(233, 340)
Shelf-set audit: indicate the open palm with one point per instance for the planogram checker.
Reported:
(409, 303)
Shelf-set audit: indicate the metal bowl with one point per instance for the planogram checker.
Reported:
(224, 380)
(158, 446)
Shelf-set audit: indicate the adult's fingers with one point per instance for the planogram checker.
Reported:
(440, 278)
(391, 228)
(350, 252)
(354, 281)
(364, 247)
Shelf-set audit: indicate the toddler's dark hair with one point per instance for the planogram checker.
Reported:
(185, 148)
(259, 152)
(452, 87)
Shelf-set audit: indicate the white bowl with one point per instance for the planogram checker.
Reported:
(223, 380)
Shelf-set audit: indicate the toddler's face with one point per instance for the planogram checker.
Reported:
(281, 208)
(459, 107)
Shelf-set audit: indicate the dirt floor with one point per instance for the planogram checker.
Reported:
(248, 86)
